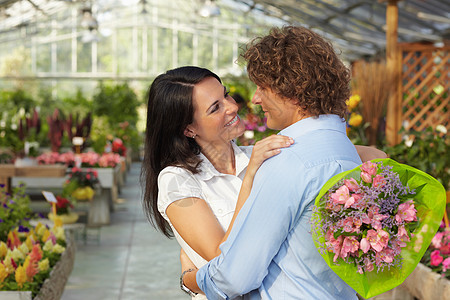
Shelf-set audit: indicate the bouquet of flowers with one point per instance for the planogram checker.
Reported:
(373, 224)
(81, 184)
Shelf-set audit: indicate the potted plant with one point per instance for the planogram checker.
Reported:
(81, 184)
(63, 206)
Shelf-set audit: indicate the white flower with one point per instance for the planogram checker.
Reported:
(14, 126)
(48, 246)
(249, 134)
(2, 124)
(59, 233)
(21, 112)
(441, 128)
(409, 142)
(58, 249)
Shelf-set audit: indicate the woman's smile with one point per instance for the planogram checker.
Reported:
(234, 120)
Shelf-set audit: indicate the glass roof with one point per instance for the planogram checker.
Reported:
(356, 27)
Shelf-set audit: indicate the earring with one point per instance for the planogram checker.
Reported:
(194, 135)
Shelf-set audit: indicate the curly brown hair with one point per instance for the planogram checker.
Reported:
(297, 63)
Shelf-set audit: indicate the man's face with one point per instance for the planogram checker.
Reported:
(280, 112)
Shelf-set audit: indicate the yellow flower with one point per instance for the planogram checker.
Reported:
(3, 250)
(48, 246)
(40, 229)
(30, 241)
(58, 249)
(3, 273)
(353, 101)
(44, 265)
(46, 235)
(21, 276)
(8, 264)
(355, 120)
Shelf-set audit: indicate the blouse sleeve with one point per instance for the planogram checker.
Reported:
(176, 183)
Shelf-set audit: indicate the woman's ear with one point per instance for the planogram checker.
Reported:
(188, 132)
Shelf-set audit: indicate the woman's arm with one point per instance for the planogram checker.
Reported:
(193, 218)
(367, 153)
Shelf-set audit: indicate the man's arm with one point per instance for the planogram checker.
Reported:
(259, 231)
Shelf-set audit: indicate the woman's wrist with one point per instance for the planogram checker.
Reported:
(183, 287)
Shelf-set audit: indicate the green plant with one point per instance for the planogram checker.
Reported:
(425, 150)
(119, 104)
(14, 210)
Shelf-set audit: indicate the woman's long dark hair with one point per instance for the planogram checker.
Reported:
(170, 111)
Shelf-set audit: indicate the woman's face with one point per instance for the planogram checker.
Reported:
(215, 114)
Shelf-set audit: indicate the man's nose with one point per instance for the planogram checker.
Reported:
(256, 99)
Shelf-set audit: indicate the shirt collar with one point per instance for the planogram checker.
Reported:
(207, 170)
(304, 126)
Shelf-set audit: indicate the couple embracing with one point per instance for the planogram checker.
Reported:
(242, 214)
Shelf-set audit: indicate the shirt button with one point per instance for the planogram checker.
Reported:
(220, 210)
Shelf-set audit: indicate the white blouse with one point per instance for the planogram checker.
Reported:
(220, 191)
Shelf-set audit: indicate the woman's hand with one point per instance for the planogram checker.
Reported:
(265, 149)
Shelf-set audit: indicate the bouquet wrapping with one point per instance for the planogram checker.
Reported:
(373, 224)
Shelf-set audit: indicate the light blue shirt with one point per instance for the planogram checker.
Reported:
(270, 253)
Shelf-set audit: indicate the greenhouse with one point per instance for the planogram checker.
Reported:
(123, 123)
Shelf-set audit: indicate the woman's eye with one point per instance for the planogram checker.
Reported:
(215, 108)
(227, 93)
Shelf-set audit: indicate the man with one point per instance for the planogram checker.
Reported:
(302, 87)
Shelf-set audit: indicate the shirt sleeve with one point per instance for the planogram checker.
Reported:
(258, 233)
(175, 183)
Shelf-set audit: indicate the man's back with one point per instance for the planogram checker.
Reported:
(270, 249)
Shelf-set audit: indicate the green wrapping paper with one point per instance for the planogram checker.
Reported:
(429, 202)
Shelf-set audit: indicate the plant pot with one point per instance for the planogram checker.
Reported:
(424, 284)
(69, 218)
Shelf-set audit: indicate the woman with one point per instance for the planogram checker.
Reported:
(195, 178)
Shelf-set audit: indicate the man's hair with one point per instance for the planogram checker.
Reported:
(297, 63)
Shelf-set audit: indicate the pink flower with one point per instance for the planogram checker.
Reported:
(350, 245)
(379, 181)
(368, 265)
(358, 203)
(375, 217)
(350, 224)
(446, 264)
(352, 184)
(406, 212)
(366, 177)
(377, 239)
(437, 239)
(386, 255)
(364, 245)
(369, 168)
(334, 244)
(436, 258)
(341, 195)
(403, 234)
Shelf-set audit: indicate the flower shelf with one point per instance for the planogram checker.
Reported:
(41, 171)
(53, 287)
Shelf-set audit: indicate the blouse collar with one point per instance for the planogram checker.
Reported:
(208, 171)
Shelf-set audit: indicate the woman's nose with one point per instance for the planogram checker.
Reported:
(231, 106)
